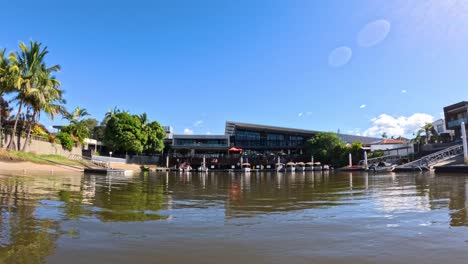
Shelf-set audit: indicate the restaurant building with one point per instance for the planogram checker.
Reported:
(251, 139)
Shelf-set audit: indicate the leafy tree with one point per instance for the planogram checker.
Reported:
(26, 67)
(327, 147)
(123, 133)
(78, 127)
(128, 133)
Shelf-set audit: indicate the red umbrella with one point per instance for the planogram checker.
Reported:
(234, 149)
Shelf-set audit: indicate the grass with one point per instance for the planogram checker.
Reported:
(36, 158)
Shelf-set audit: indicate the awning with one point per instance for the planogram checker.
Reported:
(234, 149)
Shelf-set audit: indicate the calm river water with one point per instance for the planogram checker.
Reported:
(234, 218)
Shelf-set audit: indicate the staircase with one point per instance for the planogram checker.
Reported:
(426, 162)
(89, 162)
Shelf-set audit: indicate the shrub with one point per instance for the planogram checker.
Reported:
(66, 140)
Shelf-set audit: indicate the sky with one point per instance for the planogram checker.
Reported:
(359, 67)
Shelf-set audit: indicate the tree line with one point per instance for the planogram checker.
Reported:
(28, 82)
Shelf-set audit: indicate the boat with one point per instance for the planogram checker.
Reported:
(381, 167)
(353, 168)
(326, 167)
(185, 167)
(203, 167)
(246, 167)
(309, 166)
(290, 167)
(279, 167)
(144, 168)
(318, 166)
(300, 166)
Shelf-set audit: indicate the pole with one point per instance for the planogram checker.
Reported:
(465, 145)
(167, 161)
(365, 160)
(312, 160)
(350, 160)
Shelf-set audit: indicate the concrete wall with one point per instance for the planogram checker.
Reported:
(43, 147)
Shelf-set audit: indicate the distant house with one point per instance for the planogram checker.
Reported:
(399, 146)
(455, 115)
(441, 128)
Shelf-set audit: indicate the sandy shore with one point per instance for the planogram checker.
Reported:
(33, 168)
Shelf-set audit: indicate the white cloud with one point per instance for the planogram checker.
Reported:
(404, 91)
(363, 106)
(188, 131)
(208, 133)
(397, 126)
(304, 114)
(198, 123)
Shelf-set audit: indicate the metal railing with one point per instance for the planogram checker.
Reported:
(388, 158)
(434, 158)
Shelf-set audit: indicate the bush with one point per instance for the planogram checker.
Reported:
(66, 140)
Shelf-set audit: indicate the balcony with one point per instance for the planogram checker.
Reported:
(457, 122)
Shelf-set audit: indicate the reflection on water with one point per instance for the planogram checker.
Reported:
(36, 213)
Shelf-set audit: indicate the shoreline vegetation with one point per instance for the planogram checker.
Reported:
(18, 156)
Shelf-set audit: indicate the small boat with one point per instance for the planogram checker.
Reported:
(290, 167)
(309, 166)
(300, 166)
(381, 167)
(353, 168)
(279, 167)
(144, 168)
(246, 167)
(185, 167)
(318, 166)
(202, 169)
(326, 167)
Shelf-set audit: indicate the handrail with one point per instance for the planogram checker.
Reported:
(434, 158)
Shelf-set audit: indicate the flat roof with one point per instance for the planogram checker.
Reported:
(200, 136)
(231, 126)
(271, 128)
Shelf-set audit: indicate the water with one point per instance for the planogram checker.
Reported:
(234, 218)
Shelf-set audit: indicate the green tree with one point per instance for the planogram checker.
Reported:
(128, 133)
(25, 70)
(45, 97)
(78, 127)
(327, 147)
(123, 133)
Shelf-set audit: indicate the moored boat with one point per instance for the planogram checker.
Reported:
(246, 167)
(290, 167)
(300, 166)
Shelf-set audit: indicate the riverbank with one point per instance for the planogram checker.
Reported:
(26, 167)
(29, 163)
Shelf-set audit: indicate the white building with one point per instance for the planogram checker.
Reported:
(393, 147)
(440, 127)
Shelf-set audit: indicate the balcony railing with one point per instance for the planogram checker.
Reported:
(457, 122)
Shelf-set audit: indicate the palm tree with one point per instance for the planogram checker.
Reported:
(46, 97)
(4, 88)
(76, 116)
(26, 66)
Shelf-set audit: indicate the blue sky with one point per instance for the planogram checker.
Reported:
(363, 67)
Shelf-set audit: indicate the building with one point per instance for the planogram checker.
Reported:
(401, 147)
(454, 115)
(264, 139)
(445, 135)
(199, 145)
